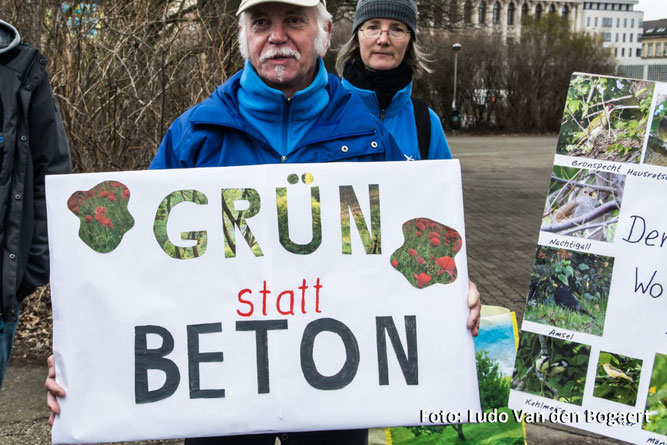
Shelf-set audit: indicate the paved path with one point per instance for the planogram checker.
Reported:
(504, 180)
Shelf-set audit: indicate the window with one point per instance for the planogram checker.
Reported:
(630, 35)
(552, 9)
(606, 37)
(639, 37)
(622, 52)
(595, 22)
(618, 23)
(636, 71)
(510, 14)
(639, 52)
(615, 52)
(524, 11)
(649, 50)
(657, 72)
(481, 13)
(467, 12)
(623, 37)
(658, 49)
(617, 37)
(632, 23)
(640, 24)
(565, 12)
(607, 22)
(538, 12)
(588, 22)
(625, 23)
(496, 13)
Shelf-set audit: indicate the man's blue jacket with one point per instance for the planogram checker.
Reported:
(216, 133)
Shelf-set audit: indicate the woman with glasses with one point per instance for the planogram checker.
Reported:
(378, 63)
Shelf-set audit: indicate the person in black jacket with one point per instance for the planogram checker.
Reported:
(32, 144)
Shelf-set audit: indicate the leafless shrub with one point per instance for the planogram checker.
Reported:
(122, 71)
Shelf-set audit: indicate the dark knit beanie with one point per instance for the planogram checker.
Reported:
(402, 10)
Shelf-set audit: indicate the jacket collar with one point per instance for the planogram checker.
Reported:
(222, 108)
(397, 104)
(259, 101)
(9, 37)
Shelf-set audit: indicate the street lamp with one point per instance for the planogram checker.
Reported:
(455, 116)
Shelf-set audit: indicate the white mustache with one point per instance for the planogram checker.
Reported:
(283, 51)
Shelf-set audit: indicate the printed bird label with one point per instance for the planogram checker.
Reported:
(236, 300)
(593, 345)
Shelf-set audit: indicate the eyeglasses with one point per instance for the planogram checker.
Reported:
(374, 32)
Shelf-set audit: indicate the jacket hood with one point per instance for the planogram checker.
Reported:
(9, 37)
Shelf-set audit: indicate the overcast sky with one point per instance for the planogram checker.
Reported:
(653, 9)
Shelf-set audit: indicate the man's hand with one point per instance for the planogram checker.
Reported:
(53, 390)
(475, 305)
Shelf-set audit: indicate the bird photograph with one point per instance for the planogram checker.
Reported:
(548, 367)
(583, 203)
(551, 367)
(564, 298)
(656, 149)
(598, 125)
(617, 377)
(615, 373)
(656, 403)
(605, 118)
(569, 290)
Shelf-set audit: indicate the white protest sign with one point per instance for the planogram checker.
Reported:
(234, 300)
(593, 347)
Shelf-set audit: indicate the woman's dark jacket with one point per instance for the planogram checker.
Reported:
(33, 144)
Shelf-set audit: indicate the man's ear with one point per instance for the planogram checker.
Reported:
(328, 26)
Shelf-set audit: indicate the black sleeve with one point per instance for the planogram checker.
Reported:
(49, 151)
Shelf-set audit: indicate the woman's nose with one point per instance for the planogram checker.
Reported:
(383, 38)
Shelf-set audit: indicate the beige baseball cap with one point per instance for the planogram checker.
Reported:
(246, 4)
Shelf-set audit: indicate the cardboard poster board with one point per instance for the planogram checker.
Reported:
(593, 347)
(221, 301)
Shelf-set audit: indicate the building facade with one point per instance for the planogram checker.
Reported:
(654, 40)
(504, 16)
(654, 50)
(619, 26)
(614, 21)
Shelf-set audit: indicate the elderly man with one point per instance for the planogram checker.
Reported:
(281, 107)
